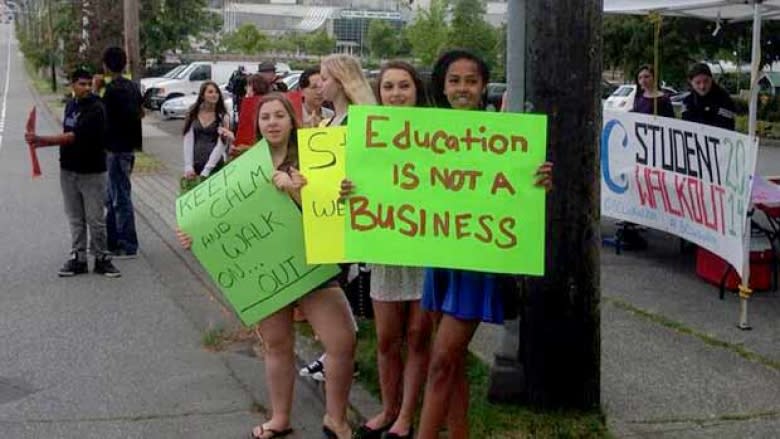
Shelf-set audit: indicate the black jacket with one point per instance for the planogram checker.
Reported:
(86, 119)
(122, 101)
(714, 109)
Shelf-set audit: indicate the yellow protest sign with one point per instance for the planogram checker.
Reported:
(321, 156)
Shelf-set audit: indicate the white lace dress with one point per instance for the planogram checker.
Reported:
(396, 284)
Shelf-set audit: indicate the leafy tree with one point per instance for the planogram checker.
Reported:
(246, 40)
(319, 43)
(383, 39)
(469, 30)
(168, 24)
(428, 35)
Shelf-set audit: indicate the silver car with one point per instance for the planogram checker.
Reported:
(177, 108)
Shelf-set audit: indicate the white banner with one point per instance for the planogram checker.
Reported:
(688, 179)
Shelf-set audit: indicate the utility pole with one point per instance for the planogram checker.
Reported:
(559, 318)
(52, 48)
(132, 39)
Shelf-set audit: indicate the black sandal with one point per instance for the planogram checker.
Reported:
(274, 433)
(366, 432)
(408, 435)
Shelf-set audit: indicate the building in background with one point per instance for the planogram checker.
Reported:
(345, 20)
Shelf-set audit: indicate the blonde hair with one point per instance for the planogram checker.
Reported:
(347, 71)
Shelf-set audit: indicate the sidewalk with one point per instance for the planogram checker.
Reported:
(657, 380)
(673, 363)
(154, 198)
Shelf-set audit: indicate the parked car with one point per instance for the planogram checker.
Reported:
(291, 80)
(495, 94)
(173, 73)
(177, 108)
(190, 79)
(622, 99)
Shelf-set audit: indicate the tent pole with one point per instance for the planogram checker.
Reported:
(744, 289)
(754, 68)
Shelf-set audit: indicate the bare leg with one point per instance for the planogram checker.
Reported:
(389, 318)
(278, 340)
(458, 413)
(328, 312)
(418, 342)
(448, 358)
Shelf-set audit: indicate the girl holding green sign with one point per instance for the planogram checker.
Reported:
(460, 299)
(326, 307)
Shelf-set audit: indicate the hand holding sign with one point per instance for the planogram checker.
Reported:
(443, 188)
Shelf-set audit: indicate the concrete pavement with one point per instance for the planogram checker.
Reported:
(91, 357)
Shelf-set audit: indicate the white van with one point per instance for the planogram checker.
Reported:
(189, 80)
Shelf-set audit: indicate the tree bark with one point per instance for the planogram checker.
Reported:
(560, 317)
(132, 39)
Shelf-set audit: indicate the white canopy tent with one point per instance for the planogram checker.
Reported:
(719, 11)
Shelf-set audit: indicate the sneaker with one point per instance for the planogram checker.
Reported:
(73, 267)
(106, 268)
(123, 254)
(315, 367)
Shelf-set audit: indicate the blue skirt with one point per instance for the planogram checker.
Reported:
(465, 295)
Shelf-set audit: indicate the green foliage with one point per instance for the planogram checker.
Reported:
(429, 33)
(169, 24)
(469, 30)
(246, 40)
(319, 43)
(383, 39)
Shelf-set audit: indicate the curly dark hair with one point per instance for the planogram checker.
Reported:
(439, 74)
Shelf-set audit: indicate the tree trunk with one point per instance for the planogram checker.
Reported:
(560, 340)
(132, 39)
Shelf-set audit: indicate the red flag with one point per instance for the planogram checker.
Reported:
(36, 167)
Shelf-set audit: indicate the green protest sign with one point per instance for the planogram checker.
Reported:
(249, 237)
(446, 188)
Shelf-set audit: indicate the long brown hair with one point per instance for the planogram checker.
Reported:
(219, 109)
(291, 159)
(421, 98)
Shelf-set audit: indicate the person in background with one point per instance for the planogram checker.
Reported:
(708, 103)
(460, 299)
(311, 86)
(395, 294)
(237, 87)
(343, 84)
(83, 176)
(648, 99)
(206, 133)
(124, 111)
(267, 70)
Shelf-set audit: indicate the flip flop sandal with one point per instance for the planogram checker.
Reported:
(274, 433)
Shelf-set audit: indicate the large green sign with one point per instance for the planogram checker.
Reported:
(249, 237)
(446, 188)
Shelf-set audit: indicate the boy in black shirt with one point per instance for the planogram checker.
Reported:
(83, 175)
(122, 101)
